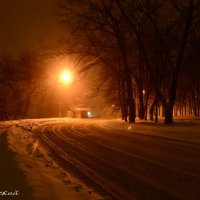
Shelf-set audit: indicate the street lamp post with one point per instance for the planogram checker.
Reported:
(66, 78)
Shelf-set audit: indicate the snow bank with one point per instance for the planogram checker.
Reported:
(46, 178)
(187, 130)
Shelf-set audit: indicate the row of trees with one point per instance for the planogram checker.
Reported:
(20, 79)
(138, 46)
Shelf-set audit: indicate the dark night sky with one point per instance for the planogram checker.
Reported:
(25, 22)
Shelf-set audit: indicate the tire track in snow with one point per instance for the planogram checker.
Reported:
(86, 174)
(76, 140)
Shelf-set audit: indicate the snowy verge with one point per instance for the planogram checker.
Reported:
(184, 130)
(46, 178)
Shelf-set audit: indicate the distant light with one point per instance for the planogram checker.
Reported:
(129, 127)
(143, 91)
(89, 114)
(113, 105)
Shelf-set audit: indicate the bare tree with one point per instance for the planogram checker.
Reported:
(170, 25)
(20, 78)
(101, 33)
(144, 43)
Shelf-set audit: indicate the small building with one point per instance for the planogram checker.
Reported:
(81, 113)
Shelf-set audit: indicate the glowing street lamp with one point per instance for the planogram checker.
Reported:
(66, 77)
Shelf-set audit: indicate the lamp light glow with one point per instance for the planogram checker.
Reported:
(66, 77)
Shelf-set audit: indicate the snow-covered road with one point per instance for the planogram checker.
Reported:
(124, 165)
(118, 160)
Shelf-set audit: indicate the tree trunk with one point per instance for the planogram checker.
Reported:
(141, 110)
(169, 105)
(3, 115)
(128, 80)
(131, 101)
(169, 114)
(151, 112)
(156, 101)
(18, 111)
(122, 99)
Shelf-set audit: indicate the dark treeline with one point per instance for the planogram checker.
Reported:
(148, 51)
(16, 84)
(22, 80)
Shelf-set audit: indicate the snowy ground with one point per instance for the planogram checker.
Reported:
(48, 180)
(182, 129)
